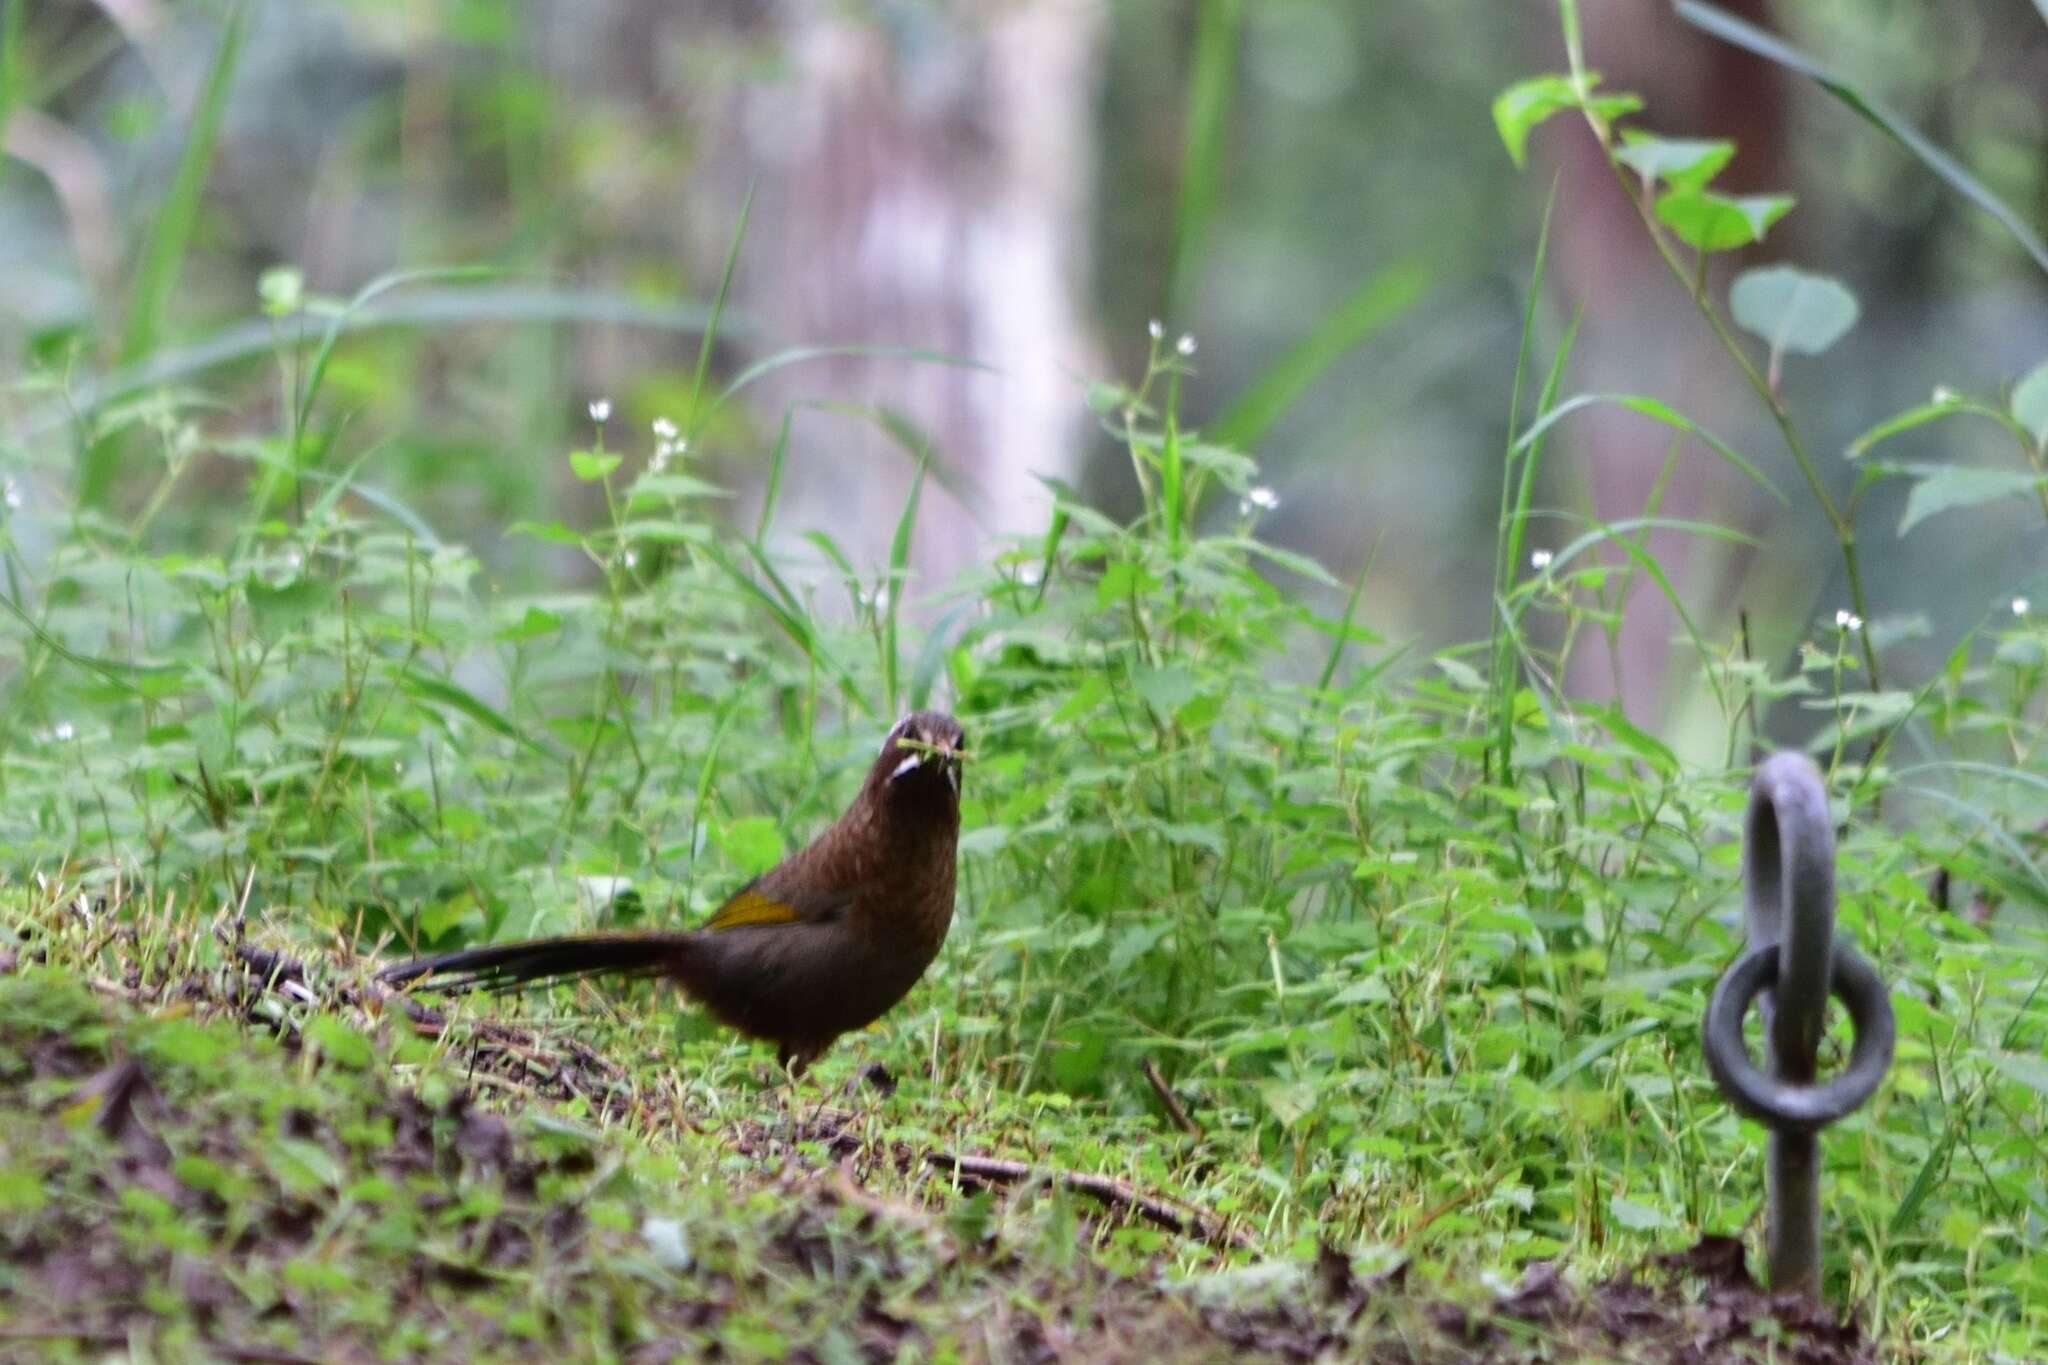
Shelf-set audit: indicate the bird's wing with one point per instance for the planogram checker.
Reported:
(756, 904)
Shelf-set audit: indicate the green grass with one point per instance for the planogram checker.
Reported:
(1417, 1003)
(1418, 947)
(327, 1189)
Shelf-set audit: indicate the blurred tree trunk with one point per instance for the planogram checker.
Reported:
(922, 177)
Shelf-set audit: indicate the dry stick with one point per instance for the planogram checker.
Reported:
(1429, 1216)
(1115, 1193)
(1166, 1096)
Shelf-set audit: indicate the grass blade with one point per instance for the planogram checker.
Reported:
(1740, 33)
(445, 692)
(1208, 118)
(169, 236)
(425, 308)
(777, 458)
(172, 231)
(1384, 297)
(899, 573)
(1514, 503)
(367, 295)
(13, 28)
(1657, 410)
(796, 625)
(798, 355)
(732, 260)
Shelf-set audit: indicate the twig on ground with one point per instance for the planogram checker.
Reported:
(1166, 1096)
(1187, 1222)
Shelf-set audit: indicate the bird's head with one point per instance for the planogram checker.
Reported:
(920, 761)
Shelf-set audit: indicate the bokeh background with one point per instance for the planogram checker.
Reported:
(1310, 189)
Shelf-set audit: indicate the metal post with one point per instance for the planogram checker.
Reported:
(1792, 964)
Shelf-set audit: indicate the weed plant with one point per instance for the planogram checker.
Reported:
(1421, 946)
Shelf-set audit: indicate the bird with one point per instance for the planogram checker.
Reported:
(821, 944)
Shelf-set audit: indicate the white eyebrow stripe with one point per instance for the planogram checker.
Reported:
(906, 765)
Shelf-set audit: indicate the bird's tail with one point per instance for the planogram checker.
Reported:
(505, 966)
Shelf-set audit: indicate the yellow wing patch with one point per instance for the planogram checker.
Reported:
(751, 907)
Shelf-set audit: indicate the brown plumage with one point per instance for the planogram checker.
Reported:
(819, 945)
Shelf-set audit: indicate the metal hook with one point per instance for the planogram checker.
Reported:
(1793, 963)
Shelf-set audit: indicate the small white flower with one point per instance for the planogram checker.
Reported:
(1944, 394)
(1186, 344)
(1263, 498)
(882, 595)
(1853, 624)
(632, 558)
(1030, 573)
(294, 559)
(664, 429)
(2020, 605)
(1156, 328)
(10, 493)
(1841, 619)
(63, 733)
(600, 410)
(1540, 559)
(732, 656)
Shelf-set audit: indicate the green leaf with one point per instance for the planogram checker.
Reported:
(1791, 309)
(553, 532)
(183, 1042)
(1290, 1101)
(1166, 688)
(1518, 110)
(427, 687)
(1598, 1048)
(21, 1190)
(2030, 403)
(1121, 580)
(1683, 163)
(277, 610)
(1943, 488)
(1636, 1217)
(1940, 406)
(1720, 222)
(592, 465)
(532, 625)
(339, 1043)
(303, 1167)
(2029, 1071)
(676, 486)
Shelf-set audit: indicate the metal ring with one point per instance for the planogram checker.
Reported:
(1799, 1108)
